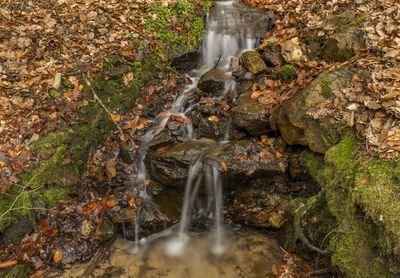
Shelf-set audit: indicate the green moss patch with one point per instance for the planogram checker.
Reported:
(362, 194)
(287, 74)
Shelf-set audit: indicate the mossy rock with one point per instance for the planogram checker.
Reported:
(295, 121)
(253, 62)
(362, 195)
(287, 74)
(64, 154)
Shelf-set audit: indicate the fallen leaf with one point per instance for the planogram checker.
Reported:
(57, 256)
(213, 118)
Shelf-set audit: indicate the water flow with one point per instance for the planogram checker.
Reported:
(231, 27)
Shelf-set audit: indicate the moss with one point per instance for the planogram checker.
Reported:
(287, 74)
(342, 152)
(53, 194)
(326, 90)
(362, 195)
(19, 202)
(356, 22)
(51, 179)
(354, 250)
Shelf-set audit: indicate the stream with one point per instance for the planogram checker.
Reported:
(199, 243)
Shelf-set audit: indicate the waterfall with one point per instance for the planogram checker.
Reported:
(231, 27)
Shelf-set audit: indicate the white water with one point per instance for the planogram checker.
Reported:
(230, 29)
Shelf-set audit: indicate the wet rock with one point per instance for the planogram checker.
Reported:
(253, 62)
(344, 44)
(244, 160)
(251, 115)
(169, 166)
(163, 211)
(106, 230)
(238, 161)
(122, 215)
(125, 153)
(162, 139)
(213, 81)
(15, 232)
(291, 51)
(297, 119)
(187, 61)
(260, 203)
(333, 22)
(17, 271)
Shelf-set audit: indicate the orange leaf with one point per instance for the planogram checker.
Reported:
(223, 165)
(213, 118)
(89, 208)
(57, 256)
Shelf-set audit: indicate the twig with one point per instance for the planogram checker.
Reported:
(19, 195)
(100, 254)
(71, 50)
(300, 234)
(321, 271)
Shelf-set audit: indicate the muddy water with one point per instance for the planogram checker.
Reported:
(249, 255)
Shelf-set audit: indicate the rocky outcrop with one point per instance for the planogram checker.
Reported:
(301, 121)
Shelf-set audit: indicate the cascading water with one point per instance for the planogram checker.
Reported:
(231, 27)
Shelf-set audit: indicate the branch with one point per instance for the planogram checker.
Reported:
(299, 232)
(71, 50)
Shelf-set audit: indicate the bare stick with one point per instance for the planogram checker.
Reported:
(71, 50)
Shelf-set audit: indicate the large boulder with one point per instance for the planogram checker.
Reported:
(299, 119)
(213, 81)
(344, 43)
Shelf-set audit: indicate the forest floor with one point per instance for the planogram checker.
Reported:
(33, 51)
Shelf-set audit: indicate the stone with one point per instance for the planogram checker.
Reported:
(237, 161)
(251, 115)
(253, 62)
(15, 232)
(291, 51)
(213, 81)
(125, 153)
(187, 61)
(122, 215)
(106, 230)
(333, 22)
(287, 74)
(170, 165)
(245, 159)
(57, 81)
(163, 211)
(295, 118)
(344, 43)
(271, 53)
